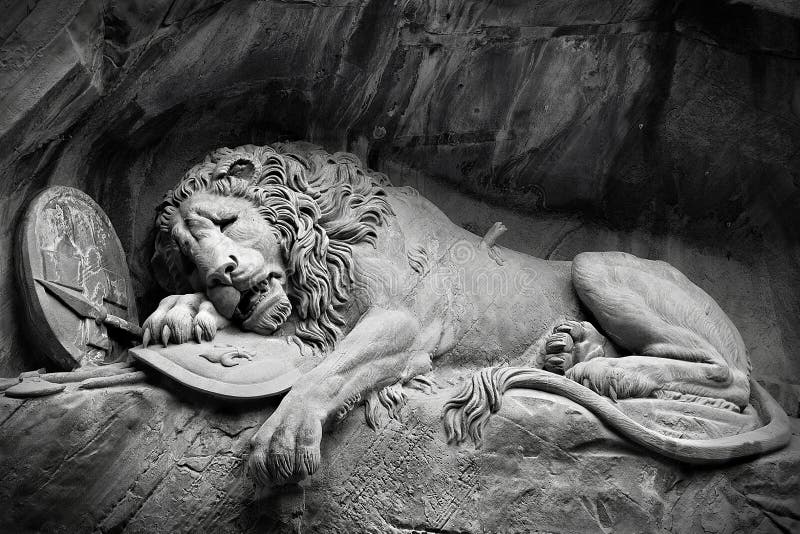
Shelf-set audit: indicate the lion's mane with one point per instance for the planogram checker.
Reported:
(320, 203)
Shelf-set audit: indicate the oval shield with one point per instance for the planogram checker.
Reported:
(235, 365)
(66, 243)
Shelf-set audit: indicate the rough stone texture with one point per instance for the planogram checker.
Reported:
(145, 459)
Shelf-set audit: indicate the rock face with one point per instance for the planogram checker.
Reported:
(663, 128)
(149, 459)
(666, 129)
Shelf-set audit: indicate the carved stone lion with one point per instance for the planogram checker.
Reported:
(290, 240)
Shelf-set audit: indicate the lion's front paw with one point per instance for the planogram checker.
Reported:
(286, 447)
(179, 318)
(606, 377)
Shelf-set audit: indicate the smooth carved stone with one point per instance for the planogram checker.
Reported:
(235, 365)
(32, 385)
(289, 240)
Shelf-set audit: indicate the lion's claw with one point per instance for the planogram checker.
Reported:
(165, 335)
(597, 375)
(606, 377)
(573, 329)
(612, 391)
(554, 364)
(181, 318)
(146, 337)
(287, 446)
(559, 342)
(570, 343)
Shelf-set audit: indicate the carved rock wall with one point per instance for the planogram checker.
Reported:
(664, 128)
(669, 129)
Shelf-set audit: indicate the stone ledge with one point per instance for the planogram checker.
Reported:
(144, 459)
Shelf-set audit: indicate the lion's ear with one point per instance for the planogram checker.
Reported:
(242, 169)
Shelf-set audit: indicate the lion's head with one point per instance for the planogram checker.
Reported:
(266, 232)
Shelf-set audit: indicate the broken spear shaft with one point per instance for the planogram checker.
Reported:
(81, 306)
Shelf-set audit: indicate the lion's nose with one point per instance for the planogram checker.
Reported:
(222, 273)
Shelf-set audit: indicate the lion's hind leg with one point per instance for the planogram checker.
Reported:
(678, 338)
(644, 376)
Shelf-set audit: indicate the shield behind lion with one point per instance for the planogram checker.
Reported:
(66, 239)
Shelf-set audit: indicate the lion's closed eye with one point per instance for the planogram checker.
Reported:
(225, 224)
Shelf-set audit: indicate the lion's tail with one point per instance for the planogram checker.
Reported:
(466, 414)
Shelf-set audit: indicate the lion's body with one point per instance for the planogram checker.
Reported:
(394, 284)
(483, 311)
(479, 312)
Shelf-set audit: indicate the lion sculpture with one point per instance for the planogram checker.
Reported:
(290, 240)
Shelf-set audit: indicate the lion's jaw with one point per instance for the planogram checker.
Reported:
(238, 260)
(270, 312)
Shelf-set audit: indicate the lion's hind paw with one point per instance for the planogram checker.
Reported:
(605, 377)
